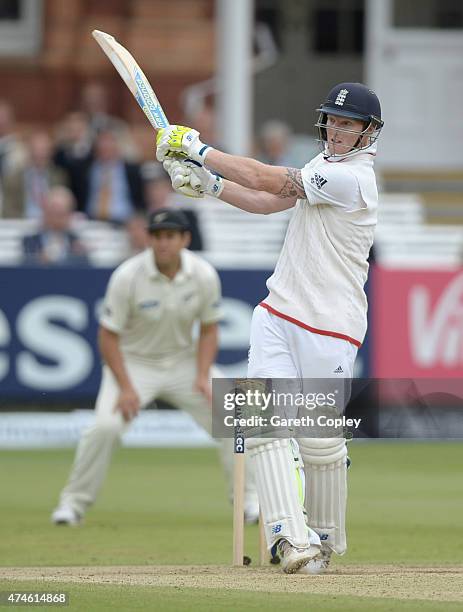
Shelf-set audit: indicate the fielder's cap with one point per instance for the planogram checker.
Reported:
(165, 218)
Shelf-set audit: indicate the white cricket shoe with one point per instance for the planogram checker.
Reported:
(319, 564)
(65, 515)
(292, 558)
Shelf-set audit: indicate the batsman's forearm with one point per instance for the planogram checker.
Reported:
(242, 197)
(110, 351)
(258, 202)
(246, 171)
(207, 348)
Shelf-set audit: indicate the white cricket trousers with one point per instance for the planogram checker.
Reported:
(283, 350)
(170, 382)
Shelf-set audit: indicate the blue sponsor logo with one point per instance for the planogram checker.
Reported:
(145, 99)
(277, 528)
(324, 536)
(141, 102)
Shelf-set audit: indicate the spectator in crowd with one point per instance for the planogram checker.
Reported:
(12, 152)
(94, 104)
(137, 234)
(280, 147)
(159, 194)
(157, 188)
(55, 243)
(114, 186)
(274, 139)
(24, 190)
(73, 153)
(203, 120)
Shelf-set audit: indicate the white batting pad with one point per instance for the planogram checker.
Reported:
(326, 489)
(280, 489)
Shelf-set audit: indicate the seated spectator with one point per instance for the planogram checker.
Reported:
(137, 234)
(55, 243)
(203, 119)
(159, 194)
(157, 187)
(12, 151)
(24, 191)
(94, 105)
(114, 186)
(73, 153)
(280, 147)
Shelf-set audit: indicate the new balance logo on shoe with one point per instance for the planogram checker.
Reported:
(339, 370)
(318, 180)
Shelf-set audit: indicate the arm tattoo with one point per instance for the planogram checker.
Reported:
(293, 185)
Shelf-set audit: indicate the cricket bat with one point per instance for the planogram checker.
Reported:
(133, 77)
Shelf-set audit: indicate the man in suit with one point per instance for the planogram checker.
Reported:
(95, 107)
(25, 190)
(12, 153)
(73, 153)
(55, 243)
(114, 186)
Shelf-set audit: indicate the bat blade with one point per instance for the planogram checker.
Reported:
(133, 77)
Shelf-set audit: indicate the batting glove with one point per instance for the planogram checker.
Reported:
(192, 180)
(180, 141)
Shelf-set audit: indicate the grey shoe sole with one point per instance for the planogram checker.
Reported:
(312, 552)
(296, 566)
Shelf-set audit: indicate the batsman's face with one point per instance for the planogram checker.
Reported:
(342, 134)
(167, 244)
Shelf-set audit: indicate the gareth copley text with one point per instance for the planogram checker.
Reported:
(277, 420)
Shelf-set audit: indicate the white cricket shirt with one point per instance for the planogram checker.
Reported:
(154, 315)
(320, 274)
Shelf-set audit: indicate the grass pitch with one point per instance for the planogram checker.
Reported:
(160, 535)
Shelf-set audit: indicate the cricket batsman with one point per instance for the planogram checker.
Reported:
(314, 318)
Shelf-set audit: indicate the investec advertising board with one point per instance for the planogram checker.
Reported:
(48, 329)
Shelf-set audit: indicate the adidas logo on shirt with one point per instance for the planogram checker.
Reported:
(339, 370)
(318, 180)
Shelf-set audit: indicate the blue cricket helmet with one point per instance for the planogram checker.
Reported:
(353, 100)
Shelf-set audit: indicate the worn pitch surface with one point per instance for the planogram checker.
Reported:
(403, 582)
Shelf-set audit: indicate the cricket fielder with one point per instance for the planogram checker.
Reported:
(151, 304)
(313, 320)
